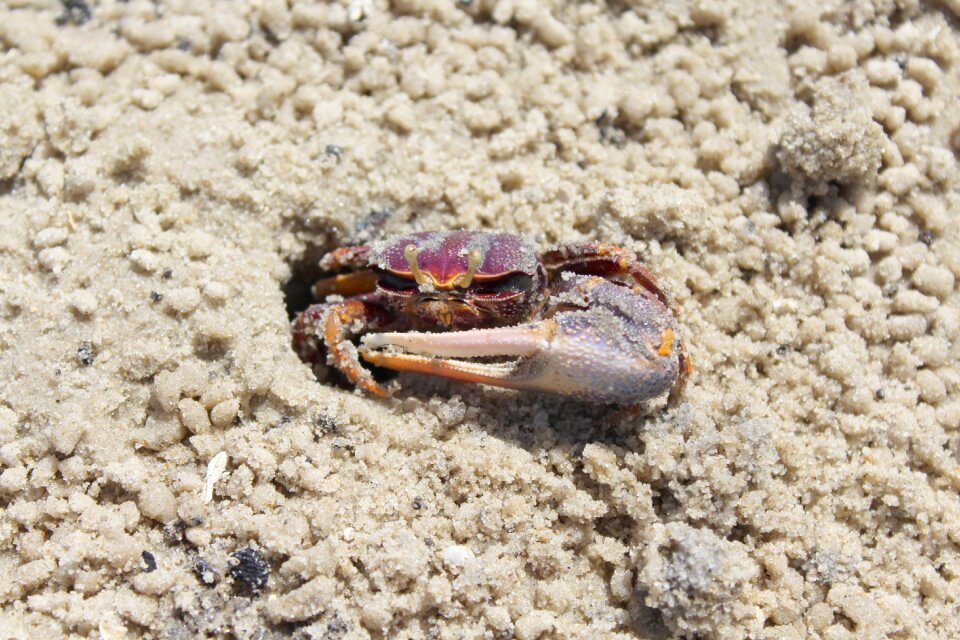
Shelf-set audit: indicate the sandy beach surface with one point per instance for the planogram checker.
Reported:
(170, 172)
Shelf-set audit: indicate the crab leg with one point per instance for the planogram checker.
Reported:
(346, 258)
(332, 325)
(345, 284)
(602, 259)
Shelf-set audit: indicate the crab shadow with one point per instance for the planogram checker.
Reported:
(554, 430)
(538, 421)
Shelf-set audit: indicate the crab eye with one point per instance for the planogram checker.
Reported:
(511, 285)
(396, 284)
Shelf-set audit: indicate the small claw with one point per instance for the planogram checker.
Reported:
(305, 329)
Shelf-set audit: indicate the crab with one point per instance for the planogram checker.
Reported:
(585, 320)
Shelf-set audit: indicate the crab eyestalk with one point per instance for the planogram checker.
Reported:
(474, 259)
(410, 255)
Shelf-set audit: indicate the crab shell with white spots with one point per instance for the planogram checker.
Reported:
(507, 287)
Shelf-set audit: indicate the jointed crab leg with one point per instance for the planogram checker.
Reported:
(346, 258)
(345, 284)
(333, 325)
(602, 259)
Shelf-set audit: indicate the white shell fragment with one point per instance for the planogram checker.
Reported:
(215, 469)
(457, 555)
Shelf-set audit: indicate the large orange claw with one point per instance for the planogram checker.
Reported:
(602, 343)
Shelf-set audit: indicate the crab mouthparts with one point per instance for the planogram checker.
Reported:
(444, 309)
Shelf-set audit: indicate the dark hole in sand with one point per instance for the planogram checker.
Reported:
(305, 270)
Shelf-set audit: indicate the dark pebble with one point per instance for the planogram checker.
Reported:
(326, 423)
(204, 571)
(85, 353)
(250, 568)
(74, 12)
(150, 563)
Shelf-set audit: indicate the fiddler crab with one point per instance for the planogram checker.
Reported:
(584, 320)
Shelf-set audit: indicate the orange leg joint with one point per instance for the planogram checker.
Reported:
(343, 353)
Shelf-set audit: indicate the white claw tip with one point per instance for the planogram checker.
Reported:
(374, 340)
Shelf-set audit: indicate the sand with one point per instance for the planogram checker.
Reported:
(168, 171)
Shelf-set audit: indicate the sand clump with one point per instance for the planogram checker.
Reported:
(169, 176)
(835, 140)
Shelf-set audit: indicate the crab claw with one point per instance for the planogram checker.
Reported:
(618, 349)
